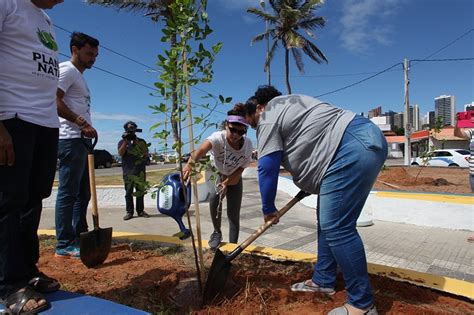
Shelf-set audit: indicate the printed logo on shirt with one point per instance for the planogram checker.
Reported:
(230, 160)
(47, 66)
(47, 40)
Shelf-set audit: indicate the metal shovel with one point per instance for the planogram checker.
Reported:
(221, 264)
(96, 244)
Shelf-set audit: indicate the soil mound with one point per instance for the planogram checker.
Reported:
(159, 280)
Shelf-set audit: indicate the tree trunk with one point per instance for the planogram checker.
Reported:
(287, 70)
(174, 97)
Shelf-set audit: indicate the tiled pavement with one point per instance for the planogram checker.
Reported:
(424, 249)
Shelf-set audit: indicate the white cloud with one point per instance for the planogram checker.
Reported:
(97, 116)
(364, 23)
(238, 4)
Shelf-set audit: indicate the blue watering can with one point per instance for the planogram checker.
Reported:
(171, 201)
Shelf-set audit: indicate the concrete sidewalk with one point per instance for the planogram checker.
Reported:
(431, 250)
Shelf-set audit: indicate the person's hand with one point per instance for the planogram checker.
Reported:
(89, 131)
(222, 189)
(187, 169)
(270, 217)
(7, 154)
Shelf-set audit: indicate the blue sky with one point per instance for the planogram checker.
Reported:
(361, 38)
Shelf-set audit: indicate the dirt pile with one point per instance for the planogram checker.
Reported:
(424, 179)
(157, 280)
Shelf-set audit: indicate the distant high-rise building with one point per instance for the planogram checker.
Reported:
(428, 120)
(468, 107)
(390, 114)
(376, 112)
(445, 108)
(398, 120)
(414, 117)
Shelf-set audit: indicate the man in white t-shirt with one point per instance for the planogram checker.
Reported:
(73, 101)
(28, 147)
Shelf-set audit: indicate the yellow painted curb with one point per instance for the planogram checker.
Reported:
(428, 197)
(441, 283)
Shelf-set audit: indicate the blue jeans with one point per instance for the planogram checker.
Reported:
(73, 192)
(344, 190)
(23, 186)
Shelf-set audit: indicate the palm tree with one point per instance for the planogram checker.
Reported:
(154, 9)
(289, 17)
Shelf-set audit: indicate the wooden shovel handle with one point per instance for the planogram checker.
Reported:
(95, 213)
(268, 224)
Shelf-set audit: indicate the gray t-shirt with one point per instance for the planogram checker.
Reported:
(308, 132)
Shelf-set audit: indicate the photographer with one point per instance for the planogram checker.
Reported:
(134, 153)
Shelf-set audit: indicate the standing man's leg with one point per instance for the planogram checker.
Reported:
(42, 178)
(234, 202)
(71, 169)
(128, 197)
(14, 196)
(140, 204)
(79, 213)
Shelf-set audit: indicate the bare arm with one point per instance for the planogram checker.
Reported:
(123, 147)
(233, 178)
(66, 113)
(205, 147)
(7, 154)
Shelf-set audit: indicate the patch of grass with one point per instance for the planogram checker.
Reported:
(153, 176)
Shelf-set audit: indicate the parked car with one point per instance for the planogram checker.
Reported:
(102, 158)
(448, 157)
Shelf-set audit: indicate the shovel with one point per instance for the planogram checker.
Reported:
(95, 245)
(220, 266)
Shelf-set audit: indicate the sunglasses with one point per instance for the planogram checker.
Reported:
(237, 131)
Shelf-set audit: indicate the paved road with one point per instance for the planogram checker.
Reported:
(432, 250)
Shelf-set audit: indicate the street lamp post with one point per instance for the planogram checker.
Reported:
(267, 67)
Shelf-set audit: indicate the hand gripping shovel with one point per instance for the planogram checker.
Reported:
(220, 266)
(95, 245)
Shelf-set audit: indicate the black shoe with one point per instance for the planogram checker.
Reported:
(143, 214)
(128, 216)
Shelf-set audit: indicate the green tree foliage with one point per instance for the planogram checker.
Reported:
(287, 22)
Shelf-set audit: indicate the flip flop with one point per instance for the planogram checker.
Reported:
(304, 287)
(19, 300)
(342, 310)
(44, 284)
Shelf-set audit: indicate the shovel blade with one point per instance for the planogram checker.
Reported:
(95, 246)
(217, 276)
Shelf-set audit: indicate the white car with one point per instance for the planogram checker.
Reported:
(448, 157)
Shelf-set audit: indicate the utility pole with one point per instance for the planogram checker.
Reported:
(267, 67)
(406, 68)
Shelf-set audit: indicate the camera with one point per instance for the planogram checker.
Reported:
(130, 130)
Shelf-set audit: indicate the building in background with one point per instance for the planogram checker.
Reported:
(391, 117)
(469, 107)
(445, 108)
(376, 112)
(398, 120)
(428, 120)
(414, 117)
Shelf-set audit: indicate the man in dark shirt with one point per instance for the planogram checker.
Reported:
(134, 153)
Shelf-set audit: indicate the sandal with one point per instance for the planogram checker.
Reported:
(16, 301)
(310, 286)
(342, 310)
(44, 284)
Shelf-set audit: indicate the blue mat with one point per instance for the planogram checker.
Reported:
(63, 302)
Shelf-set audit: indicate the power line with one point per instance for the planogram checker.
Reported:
(131, 59)
(446, 59)
(360, 81)
(449, 44)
